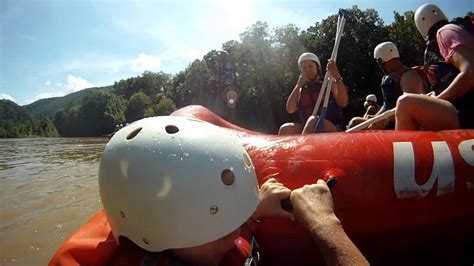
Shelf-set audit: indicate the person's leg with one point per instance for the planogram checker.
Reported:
(311, 123)
(416, 112)
(355, 121)
(290, 129)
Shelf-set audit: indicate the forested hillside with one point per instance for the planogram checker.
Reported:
(15, 122)
(50, 106)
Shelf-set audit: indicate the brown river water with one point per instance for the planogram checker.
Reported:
(48, 188)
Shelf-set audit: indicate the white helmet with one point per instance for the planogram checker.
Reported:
(175, 182)
(309, 56)
(386, 51)
(371, 97)
(426, 16)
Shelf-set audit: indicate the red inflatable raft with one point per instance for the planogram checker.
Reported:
(402, 196)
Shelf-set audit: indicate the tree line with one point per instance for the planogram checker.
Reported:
(261, 68)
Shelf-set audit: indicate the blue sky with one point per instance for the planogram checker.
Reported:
(51, 48)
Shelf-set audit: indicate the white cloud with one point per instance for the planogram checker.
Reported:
(73, 84)
(4, 96)
(47, 83)
(59, 84)
(76, 84)
(46, 95)
(145, 62)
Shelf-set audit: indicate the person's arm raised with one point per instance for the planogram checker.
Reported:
(339, 89)
(313, 208)
(292, 102)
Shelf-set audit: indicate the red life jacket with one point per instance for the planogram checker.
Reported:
(308, 97)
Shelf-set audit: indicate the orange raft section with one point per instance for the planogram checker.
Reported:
(401, 195)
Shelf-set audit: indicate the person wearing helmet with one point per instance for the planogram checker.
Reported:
(304, 95)
(371, 108)
(180, 191)
(168, 184)
(450, 49)
(398, 79)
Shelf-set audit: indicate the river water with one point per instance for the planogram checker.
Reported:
(48, 188)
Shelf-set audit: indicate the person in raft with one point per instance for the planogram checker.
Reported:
(450, 49)
(371, 108)
(173, 195)
(398, 79)
(304, 95)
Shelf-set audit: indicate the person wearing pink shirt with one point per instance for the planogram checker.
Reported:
(449, 60)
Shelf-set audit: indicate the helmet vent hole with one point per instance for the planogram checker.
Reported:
(214, 209)
(227, 177)
(247, 160)
(171, 129)
(146, 241)
(134, 133)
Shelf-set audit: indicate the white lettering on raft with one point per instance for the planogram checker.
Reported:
(466, 149)
(405, 184)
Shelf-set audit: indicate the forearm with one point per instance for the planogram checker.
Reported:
(461, 85)
(292, 102)
(335, 245)
(339, 92)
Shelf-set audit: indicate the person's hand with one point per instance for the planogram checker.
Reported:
(301, 80)
(331, 67)
(272, 193)
(313, 205)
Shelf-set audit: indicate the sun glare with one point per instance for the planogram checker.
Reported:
(238, 14)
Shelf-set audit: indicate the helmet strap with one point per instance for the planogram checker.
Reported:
(434, 29)
(380, 63)
(254, 256)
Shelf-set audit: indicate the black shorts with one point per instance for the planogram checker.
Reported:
(465, 109)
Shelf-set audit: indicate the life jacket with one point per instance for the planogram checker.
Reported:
(94, 244)
(391, 89)
(308, 98)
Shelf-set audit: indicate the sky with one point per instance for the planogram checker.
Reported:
(51, 48)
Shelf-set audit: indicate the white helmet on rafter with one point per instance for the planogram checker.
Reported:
(386, 51)
(176, 182)
(426, 16)
(308, 56)
(371, 98)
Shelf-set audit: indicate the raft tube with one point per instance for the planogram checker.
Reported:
(399, 194)
(402, 196)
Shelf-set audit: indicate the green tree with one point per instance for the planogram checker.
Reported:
(137, 107)
(176, 90)
(165, 106)
(96, 116)
(66, 120)
(409, 42)
(16, 123)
